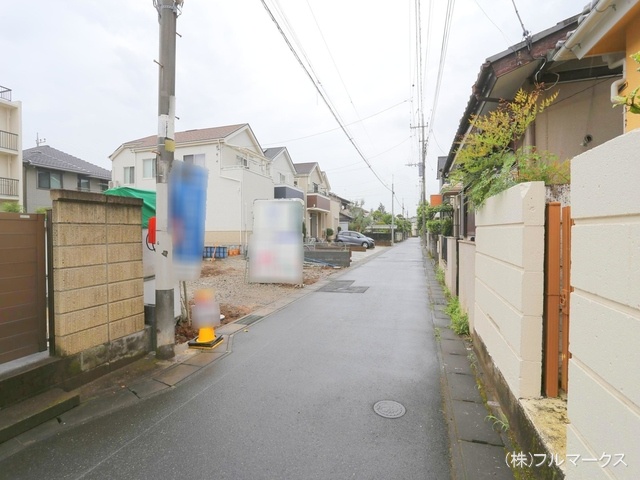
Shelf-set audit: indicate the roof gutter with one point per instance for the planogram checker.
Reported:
(572, 47)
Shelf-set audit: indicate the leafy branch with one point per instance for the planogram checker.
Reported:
(492, 159)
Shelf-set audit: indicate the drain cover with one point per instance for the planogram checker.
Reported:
(389, 409)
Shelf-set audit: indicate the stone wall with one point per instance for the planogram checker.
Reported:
(98, 279)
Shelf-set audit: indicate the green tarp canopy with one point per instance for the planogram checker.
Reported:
(148, 200)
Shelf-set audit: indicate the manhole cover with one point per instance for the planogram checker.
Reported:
(389, 409)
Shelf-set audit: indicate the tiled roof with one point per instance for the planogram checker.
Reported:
(48, 157)
(272, 153)
(305, 168)
(199, 135)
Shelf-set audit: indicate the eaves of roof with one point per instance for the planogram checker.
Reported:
(508, 69)
(273, 152)
(50, 158)
(593, 25)
(305, 168)
(186, 137)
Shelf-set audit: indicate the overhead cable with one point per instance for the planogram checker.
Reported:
(322, 94)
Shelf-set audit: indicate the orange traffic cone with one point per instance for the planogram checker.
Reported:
(205, 314)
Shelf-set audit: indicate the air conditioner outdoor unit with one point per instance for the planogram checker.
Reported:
(114, 183)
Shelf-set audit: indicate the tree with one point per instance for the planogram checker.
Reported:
(490, 160)
(421, 213)
(361, 219)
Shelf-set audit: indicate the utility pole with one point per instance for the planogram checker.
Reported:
(168, 11)
(424, 184)
(392, 214)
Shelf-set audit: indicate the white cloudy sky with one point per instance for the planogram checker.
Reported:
(84, 72)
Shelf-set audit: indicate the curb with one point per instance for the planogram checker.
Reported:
(477, 450)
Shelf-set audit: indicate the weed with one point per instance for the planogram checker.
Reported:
(502, 422)
(459, 319)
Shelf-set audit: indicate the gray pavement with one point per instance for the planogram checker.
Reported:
(290, 396)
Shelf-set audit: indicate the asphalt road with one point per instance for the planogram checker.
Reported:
(294, 400)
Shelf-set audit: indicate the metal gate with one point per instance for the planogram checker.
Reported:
(557, 294)
(23, 327)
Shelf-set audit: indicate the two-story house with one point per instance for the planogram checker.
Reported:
(283, 173)
(46, 168)
(239, 174)
(315, 184)
(10, 148)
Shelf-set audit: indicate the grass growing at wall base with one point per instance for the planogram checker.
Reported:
(459, 319)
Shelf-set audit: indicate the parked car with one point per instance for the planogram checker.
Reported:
(355, 238)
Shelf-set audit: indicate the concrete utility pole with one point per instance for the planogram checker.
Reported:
(392, 212)
(168, 11)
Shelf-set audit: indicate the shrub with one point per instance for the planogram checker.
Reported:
(11, 207)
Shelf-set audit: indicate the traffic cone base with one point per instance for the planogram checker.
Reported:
(206, 339)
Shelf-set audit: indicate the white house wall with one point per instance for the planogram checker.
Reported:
(605, 310)
(509, 280)
(11, 162)
(315, 177)
(231, 188)
(281, 166)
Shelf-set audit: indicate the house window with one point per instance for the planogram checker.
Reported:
(242, 161)
(283, 178)
(197, 159)
(103, 185)
(129, 175)
(49, 180)
(83, 183)
(149, 168)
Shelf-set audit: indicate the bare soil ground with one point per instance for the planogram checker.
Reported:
(228, 279)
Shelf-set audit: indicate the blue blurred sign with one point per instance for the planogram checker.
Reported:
(187, 213)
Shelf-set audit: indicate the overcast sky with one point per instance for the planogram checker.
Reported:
(84, 71)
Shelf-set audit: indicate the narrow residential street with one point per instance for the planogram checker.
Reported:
(297, 398)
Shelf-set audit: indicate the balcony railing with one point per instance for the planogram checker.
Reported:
(5, 93)
(8, 140)
(8, 187)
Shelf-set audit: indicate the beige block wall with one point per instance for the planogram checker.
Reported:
(466, 280)
(605, 309)
(450, 266)
(509, 281)
(97, 270)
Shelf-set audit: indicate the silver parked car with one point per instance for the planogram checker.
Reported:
(355, 238)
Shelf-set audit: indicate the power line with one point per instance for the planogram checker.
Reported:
(338, 128)
(525, 33)
(443, 55)
(509, 42)
(322, 95)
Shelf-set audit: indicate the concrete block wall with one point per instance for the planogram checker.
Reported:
(98, 277)
(466, 278)
(509, 284)
(603, 400)
(450, 266)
